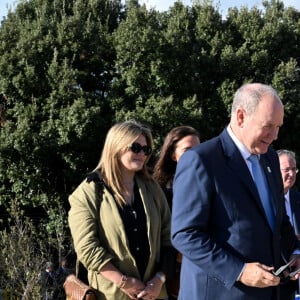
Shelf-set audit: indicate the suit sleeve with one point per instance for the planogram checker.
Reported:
(193, 219)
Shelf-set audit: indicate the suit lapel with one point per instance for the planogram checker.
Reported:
(240, 168)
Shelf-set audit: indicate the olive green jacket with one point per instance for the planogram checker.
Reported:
(99, 236)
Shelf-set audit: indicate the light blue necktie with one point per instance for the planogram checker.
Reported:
(262, 188)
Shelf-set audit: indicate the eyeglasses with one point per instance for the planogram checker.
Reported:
(287, 170)
(137, 148)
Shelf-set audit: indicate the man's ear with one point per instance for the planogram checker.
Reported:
(173, 156)
(240, 117)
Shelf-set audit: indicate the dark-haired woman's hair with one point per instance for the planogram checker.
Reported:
(165, 166)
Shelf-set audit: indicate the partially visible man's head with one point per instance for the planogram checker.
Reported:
(49, 266)
(256, 116)
(288, 168)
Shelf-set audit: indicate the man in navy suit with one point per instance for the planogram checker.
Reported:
(288, 168)
(219, 223)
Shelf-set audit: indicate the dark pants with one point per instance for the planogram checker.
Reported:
(288, 290)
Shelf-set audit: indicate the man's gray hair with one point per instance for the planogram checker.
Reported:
(49, 265)
(289, 153)
(249, 95)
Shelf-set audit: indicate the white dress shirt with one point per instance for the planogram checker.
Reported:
(288, 207)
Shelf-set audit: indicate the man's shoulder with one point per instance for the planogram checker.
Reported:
(209, 145)
(295, 194)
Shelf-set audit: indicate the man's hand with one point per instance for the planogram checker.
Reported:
(295, 266)
(258, 275)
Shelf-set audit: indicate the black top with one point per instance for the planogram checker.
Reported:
(169, 195)
(134, 219)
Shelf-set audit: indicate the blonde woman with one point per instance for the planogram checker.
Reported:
(121, 234)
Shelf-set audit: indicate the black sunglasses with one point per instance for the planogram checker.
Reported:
(137, 148)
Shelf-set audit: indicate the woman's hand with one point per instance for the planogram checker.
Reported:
(129, 285)
(132, 287)
(152, 289)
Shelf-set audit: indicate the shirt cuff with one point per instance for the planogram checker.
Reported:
(239, 277)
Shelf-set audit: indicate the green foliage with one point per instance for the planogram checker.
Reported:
(287, 81)
(136, 41)
(157, 113)
(56, 66)
(62, 58)
(23, 256)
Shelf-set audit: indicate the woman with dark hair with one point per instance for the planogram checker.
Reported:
(177, 141)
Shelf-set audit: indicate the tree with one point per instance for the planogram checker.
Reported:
(56, 66)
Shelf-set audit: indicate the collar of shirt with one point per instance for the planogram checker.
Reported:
(243, 150)
(287, 196)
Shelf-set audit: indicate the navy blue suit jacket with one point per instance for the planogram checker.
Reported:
(288, 290)
(295, 208)
(219, 224)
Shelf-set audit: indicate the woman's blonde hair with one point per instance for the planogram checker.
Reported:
(118, 139)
